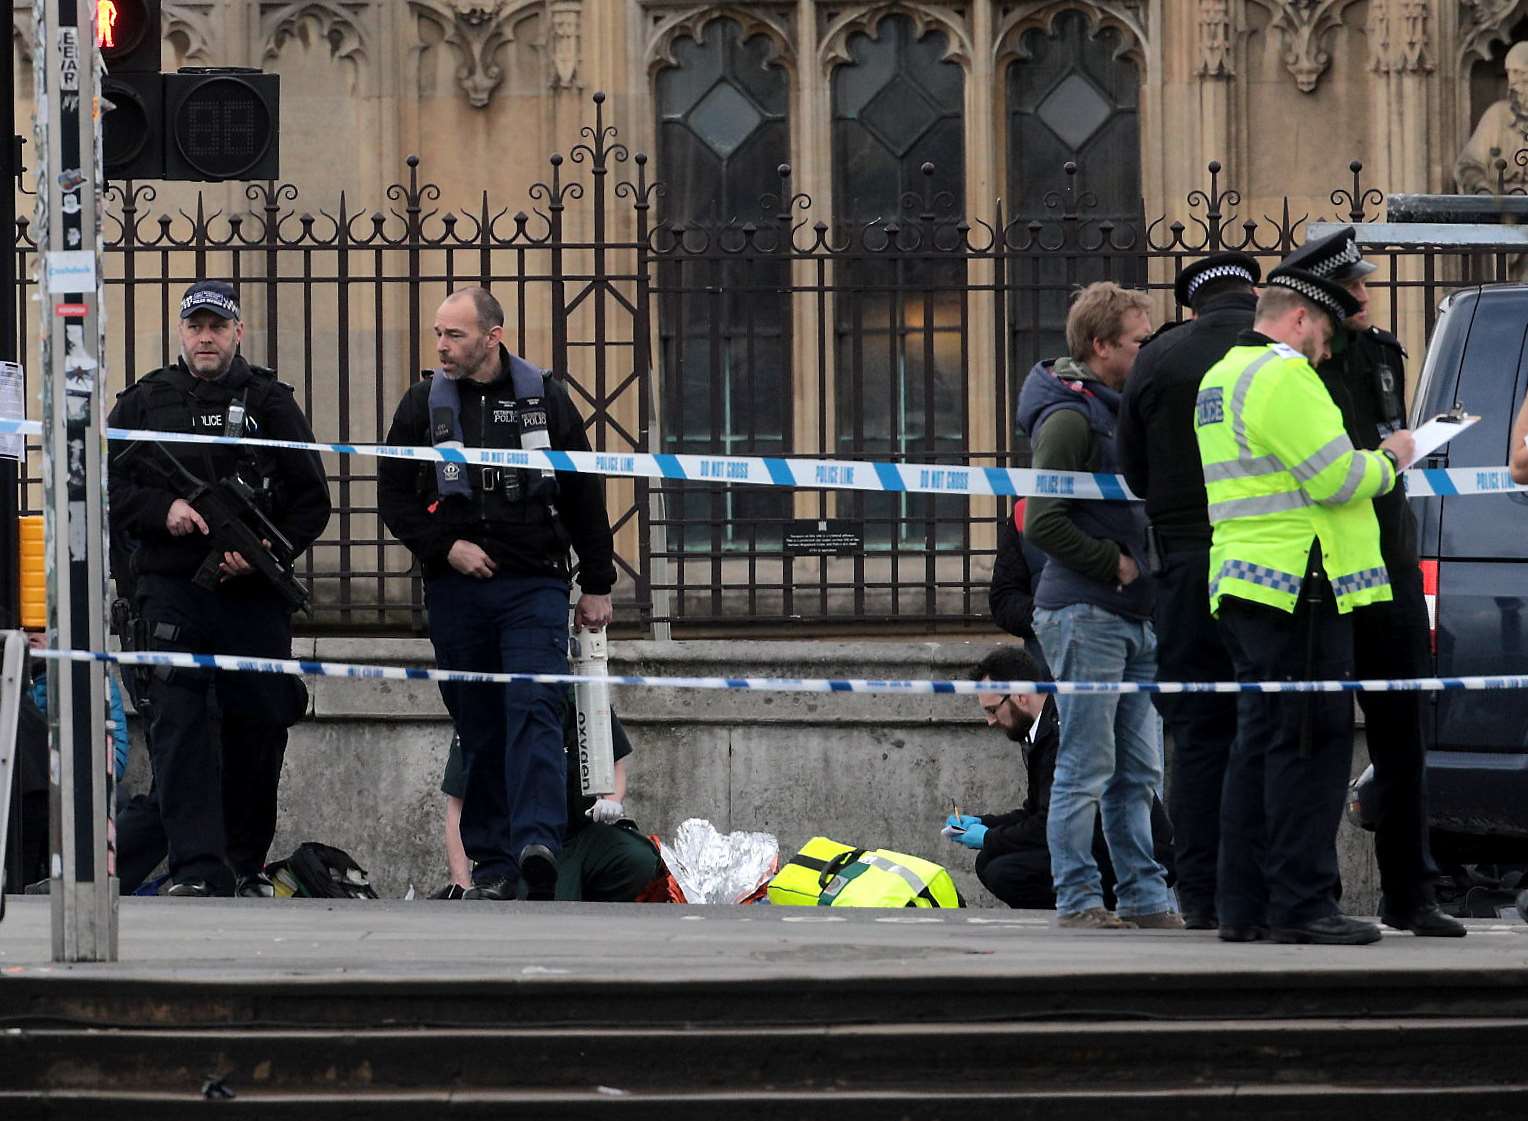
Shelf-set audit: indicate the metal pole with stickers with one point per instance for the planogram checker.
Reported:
(68, 223)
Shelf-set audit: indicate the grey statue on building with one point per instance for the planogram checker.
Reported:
(1501, 134)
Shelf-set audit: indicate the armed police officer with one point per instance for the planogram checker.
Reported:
(1160, 460)
(216, 773)
(493, 547)
(1295, 550)
(1365, 376)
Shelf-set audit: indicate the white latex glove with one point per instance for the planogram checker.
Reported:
(606, 811)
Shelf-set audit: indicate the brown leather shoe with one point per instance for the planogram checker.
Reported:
(1095, 918)
(1157, 920)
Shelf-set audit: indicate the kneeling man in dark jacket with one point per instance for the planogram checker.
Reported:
(1013, 861)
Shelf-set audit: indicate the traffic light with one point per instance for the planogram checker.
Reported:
(221, 123)
(128, 35)
(200, 123)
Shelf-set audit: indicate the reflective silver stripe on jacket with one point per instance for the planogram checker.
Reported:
(1320, 460)
(1239, 401)
(1242, 469)
(1350, 484)
(1257, 505)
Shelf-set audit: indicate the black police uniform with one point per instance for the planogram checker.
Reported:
(517, 620)
(1159, 455)
(216, 806)
(1366, 377)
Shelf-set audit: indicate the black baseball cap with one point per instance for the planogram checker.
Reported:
(1229, 265)
(1334, 257)
(1329, 296)
(216, 296)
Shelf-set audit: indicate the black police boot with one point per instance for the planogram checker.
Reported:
(539, 869)
(190, 889)
(1200, 918)
(254, 886)
(1242, 933)
(497, 891)
(1427, 921)
(1334, 930)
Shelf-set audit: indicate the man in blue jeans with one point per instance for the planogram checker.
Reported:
(1093, 619)
(493, 546)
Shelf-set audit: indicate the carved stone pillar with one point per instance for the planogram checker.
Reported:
(1216, 72)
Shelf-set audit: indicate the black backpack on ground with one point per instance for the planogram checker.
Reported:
(316, 871)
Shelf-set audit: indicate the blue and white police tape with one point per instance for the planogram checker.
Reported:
(812, 474)
(308, 668)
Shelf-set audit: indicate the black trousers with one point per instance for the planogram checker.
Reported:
(1202, 726)
(1390, 640)
(1282, 801)
(216, 740)
(1022, 879)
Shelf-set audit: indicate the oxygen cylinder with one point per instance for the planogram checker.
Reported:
(596, 750)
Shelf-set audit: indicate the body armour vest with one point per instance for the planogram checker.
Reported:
(511, 417)
(232, 405)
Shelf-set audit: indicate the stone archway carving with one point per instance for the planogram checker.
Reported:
(754, 19)
(1304, 27)
(475, 30)
(192, 24)
(337, 24)
(1483, 24)
(866, 19)
(1128, 17)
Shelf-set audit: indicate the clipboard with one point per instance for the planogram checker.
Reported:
(1432, 434)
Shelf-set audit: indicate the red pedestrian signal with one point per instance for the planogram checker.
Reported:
(127, 34)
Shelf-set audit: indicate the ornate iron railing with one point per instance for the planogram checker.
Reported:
(903, 338)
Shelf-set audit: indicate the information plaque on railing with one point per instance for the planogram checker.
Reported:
(832, 537)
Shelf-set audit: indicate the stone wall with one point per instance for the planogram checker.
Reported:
(879, 771)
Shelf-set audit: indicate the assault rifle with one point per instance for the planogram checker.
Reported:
(235, 524)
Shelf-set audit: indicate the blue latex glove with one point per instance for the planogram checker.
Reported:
(973, 836)
(961, 821)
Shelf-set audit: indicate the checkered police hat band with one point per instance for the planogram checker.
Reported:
(213, 301)
(1350, 255)
(1219, 272)
(1312, 293)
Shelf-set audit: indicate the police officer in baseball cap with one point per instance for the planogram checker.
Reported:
(1365, 376)
(213, 803)
(1160, 460)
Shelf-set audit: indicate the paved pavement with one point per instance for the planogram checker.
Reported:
(246, 940)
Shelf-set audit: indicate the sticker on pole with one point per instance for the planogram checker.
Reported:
(69, 58)
(71, 270)
(12, 403)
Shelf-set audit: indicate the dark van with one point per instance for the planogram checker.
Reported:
(1475, 569)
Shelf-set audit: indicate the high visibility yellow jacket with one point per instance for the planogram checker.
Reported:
(1279, 472)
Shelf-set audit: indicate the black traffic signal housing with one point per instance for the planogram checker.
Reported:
(200, 123)
(128, 35)
(221, 123)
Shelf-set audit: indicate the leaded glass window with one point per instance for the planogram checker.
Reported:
(724, 322)
(900, 314)
(1072, 97)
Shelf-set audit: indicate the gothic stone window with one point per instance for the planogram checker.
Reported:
(724, 315)
(1072, 97)
(900, 307)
